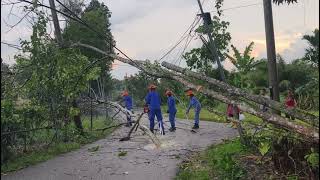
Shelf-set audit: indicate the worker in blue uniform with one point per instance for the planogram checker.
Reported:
(194, 103)
(154, 101)
(172, 110)
(128, 105)
(147, 106)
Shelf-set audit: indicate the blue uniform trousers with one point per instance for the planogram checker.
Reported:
(197, 117)
(129, 118)
(153, 113)
(172, 116)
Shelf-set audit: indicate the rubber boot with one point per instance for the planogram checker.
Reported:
(196, 126)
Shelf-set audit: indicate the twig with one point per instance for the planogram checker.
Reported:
(294, 163)
(12, 26)
(12, 45)
(115, 114)
(136, 125)
(109, 127)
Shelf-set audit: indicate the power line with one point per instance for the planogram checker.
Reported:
(77, 19)
(189, 39)
(12, 45)
(183, 35)
(226, 9)
(185, 48)
(181, 38)
(239, 7)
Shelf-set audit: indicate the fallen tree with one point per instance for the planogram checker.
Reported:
(308, 133)
(297, 113)
(137, 124)
(135, 127)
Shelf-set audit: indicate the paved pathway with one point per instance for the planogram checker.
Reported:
(142, 162)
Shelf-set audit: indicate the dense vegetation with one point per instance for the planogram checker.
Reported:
(288, 153)
(45, 88)
(48, 88)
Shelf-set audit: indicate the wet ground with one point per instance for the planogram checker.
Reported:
(140, 159)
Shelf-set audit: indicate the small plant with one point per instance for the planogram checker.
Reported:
(313, 159)
(122, 153)
(292, 178)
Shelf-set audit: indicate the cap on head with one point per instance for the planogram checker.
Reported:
(125, 93)
(168, 93)
(189, 92)
(152, 86)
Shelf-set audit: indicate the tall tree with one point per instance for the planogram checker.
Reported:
(96, 15)
(284, 1)
(243, 62)
(75, 6)
(201, 58)
(53, 76)
(312, 53)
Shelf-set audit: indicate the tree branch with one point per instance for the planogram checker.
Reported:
(297, 113)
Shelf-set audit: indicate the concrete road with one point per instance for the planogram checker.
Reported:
(143, 160)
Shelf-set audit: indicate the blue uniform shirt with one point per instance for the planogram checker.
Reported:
(171, 104)
(194, 103)
(153, 100)
(128, 102)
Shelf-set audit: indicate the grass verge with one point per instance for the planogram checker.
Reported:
(37, 155)
(205, 115)
(217, 162)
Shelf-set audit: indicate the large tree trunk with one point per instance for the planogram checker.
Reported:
(297, 113)
(310, 134)
(77, 118)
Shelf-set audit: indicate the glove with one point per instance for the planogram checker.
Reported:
(132, 112)
(167, 111)
(145, 109)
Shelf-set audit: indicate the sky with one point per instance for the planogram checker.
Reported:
(147, 29)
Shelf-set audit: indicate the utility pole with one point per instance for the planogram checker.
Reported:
(271, 51)
(57, 30)
(212, 46)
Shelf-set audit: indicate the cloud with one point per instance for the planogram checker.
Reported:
(129, 10)
(289, 44)
(7, 54)
(152, 34)
(295, 50)
(146, 29)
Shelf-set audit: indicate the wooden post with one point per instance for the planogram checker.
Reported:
(57, 30)
(25, 136)
(271, 51)
(91, 113)
(212, 48)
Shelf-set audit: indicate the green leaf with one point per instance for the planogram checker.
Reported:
(264, 148)
(74, 111)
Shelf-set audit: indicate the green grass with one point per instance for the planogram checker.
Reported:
(37, 155)
(218, 161)
(205, 115)
(316, 113)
